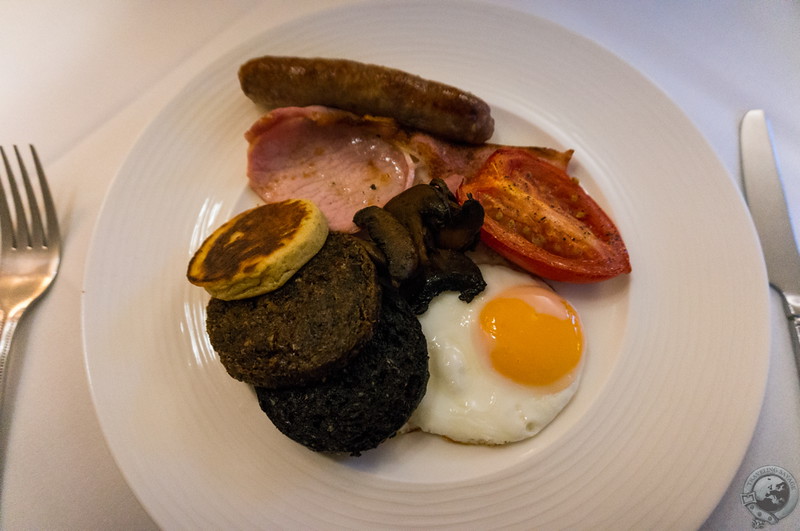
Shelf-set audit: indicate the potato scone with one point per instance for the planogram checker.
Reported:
(366, 402)
(259, 250)
(310, 326)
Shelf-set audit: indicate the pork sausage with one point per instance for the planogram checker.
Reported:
(436, 108)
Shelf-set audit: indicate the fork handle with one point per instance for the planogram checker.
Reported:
(8, 324)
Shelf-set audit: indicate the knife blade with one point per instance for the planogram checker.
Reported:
(767, 204)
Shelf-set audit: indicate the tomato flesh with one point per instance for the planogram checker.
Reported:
(540, 218)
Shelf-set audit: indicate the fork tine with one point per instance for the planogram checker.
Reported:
(52, 236)
(21, 234)
(36, 232)
(7, 239)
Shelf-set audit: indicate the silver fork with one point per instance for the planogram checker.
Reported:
(30, 247)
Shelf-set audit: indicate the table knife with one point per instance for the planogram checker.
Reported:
(767, 203)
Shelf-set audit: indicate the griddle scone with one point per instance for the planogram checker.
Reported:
(367, 401)
(312, 325)
(258, 250)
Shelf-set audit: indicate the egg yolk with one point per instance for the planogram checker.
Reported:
(530, 345)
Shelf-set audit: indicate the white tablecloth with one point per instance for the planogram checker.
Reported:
(81, 80)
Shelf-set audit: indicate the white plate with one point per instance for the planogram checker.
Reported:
(677, 354)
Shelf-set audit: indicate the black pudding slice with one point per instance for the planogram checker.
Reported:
(366, 402)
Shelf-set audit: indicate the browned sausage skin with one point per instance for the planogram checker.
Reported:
(443, 110)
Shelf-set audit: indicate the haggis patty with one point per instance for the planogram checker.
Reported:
(310, 326)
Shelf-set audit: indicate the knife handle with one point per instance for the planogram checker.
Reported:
(794, 323)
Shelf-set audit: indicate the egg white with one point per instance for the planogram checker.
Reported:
(466, 399)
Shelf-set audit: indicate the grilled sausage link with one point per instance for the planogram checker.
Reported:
(361, 88)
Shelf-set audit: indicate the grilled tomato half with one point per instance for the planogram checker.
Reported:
(540, 218)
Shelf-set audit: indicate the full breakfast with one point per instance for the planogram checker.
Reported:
(395, 278)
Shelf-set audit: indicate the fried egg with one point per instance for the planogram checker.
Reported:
(503, 366)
